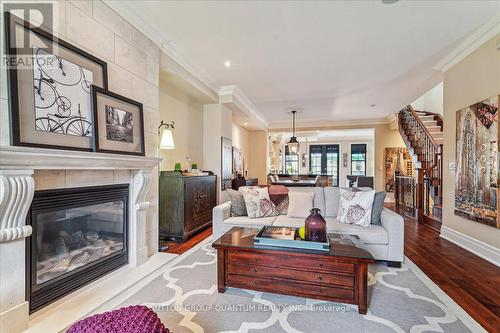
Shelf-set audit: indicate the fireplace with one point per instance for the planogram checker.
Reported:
(79, 235)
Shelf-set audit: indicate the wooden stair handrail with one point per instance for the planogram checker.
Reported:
(419, 121)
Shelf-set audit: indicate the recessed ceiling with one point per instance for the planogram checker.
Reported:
(334, 59)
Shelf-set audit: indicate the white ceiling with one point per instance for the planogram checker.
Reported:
(334, 59)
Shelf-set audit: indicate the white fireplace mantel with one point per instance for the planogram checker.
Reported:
(29, 158)
(17, 187)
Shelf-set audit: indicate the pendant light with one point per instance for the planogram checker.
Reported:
(293, 144)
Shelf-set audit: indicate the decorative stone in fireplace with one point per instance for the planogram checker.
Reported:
(79, 234)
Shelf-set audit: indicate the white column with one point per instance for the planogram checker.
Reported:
(16, 193)
(139, 187)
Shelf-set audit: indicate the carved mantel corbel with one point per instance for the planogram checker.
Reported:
(141, 186)
(16, 193)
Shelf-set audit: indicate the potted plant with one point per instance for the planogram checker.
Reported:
(178, 166)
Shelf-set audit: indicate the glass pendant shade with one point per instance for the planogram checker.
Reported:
(293, 146)
(167, 139)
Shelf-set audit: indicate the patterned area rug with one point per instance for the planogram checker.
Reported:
(184, 294)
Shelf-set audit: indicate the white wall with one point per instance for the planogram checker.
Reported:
(217, 123)
(431, 101)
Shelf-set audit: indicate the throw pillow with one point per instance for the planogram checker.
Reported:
(299, 203)
(258, 202)
(355, 207)
(378, 206)
(279, 197)
(238, 207)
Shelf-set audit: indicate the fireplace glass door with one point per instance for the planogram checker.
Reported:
(70, 238)
(78, 236)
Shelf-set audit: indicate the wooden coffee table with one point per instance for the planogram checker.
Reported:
(338, 275)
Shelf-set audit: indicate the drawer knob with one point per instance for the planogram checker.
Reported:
(320, 278)
(255, 270)
(319, 291)
(255, 259)
(321, 265)
(254, 282)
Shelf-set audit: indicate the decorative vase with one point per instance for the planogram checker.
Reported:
(315, 226)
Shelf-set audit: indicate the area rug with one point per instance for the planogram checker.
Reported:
(185, 296)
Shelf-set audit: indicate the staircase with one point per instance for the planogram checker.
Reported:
(422, 133)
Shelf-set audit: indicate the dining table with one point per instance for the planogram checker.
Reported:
(300, 182)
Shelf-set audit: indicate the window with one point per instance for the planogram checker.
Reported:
(324, 160)
(358, 159)
(291, 162)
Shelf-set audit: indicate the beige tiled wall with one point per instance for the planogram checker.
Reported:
(133, 71)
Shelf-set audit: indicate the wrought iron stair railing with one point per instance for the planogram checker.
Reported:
(427, 156)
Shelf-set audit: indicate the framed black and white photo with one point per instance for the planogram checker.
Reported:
(50, 82)
(118, 123)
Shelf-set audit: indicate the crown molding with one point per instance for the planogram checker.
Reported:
(331, 124)
(471, 43)
(237, 101)
(162, 41)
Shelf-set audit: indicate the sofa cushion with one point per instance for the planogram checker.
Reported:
(378, 206)
(238, 207)
(355, 207)
(319, 197)
(285, 221)
(300, 204)
(248, 222)
(258, 202)
(279, 197)
(372, 234)
(332, 199)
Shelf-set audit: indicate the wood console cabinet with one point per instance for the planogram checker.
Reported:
(186, 204)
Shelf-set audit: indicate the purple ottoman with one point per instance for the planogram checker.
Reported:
(132, 319)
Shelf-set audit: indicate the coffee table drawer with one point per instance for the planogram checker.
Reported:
(290, 288)
(292, 261)
(292, 274)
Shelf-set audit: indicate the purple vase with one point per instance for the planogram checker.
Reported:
(315, 227)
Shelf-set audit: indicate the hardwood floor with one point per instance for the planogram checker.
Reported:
(473, 283)
(179, 248)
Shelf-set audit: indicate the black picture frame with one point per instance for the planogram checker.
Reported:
(98, 114)
(13, 79)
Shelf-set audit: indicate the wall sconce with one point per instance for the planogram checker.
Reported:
(166, 139)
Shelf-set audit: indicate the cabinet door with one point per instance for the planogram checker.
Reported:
(199, 201)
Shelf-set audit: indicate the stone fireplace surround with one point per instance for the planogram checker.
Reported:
(17, 186)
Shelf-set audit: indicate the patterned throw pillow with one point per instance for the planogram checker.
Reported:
(238, 207)
(258, 202)
(279, 197)
(355, 207)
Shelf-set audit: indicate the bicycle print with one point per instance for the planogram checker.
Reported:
(62, 95)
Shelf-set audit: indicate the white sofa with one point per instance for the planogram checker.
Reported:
(384, 242)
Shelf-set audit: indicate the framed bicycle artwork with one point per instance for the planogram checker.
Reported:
(118, 123)
(50, 83)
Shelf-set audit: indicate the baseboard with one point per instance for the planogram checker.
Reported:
(16, 319)
(479, 248)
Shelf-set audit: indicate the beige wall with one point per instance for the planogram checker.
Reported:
(472, 80)
(258, 165)
(133, 71)
(187, 113)
(241, 140)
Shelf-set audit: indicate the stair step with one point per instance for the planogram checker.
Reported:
(434, 129)
(428, 123)
(437, 135)
(426, 118)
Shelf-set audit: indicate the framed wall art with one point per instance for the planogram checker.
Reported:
(49, 84)
(118, 123)
(226, 163)
(237, 164)
(477, 170)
